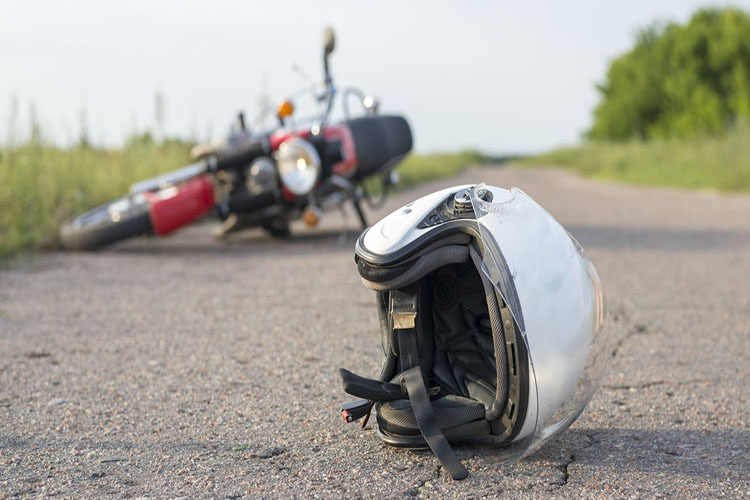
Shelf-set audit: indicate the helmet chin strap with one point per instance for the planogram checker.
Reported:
(462, 405)
(403, 308)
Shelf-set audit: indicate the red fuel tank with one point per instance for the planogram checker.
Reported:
(174, 207)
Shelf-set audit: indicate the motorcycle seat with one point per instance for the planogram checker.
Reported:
(381, 141)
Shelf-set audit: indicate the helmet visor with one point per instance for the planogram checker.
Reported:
(555, 296)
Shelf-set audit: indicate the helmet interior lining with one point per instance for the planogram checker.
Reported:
(461, 342)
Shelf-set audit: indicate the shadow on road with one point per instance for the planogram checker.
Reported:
(658, 238)
(666, 239)
(710, 454)
(242, 244)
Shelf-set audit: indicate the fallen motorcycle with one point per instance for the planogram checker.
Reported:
(262, 179)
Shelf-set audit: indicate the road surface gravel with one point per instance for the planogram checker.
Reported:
(187, 367)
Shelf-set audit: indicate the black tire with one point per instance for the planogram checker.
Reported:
(105, 225)
(278, 229)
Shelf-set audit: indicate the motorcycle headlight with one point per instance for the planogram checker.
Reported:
(299, 165)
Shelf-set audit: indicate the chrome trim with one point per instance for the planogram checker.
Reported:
(169, 179)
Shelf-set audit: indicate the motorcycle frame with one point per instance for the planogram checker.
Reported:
(334, 190)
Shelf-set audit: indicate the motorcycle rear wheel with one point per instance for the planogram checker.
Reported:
(106, 224)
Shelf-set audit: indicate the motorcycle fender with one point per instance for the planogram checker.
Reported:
(176, 206)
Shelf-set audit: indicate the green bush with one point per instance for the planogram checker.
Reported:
(679, 80)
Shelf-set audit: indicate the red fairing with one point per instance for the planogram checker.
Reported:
(348, 165)
(174, 207)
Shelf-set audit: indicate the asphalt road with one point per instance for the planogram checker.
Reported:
(185, 367)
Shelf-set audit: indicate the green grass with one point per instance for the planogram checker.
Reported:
(42, 186)
(714, 162)
(420, 168)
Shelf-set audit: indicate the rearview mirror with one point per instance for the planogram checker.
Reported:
(329, 41)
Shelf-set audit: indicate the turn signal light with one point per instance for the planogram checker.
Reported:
(285, 109)
(311, 216)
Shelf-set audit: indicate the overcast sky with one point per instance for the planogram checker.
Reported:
(503, 76)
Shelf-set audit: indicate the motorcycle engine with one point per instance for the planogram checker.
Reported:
(260, 176)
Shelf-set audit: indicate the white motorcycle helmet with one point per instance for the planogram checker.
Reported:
(491, 319)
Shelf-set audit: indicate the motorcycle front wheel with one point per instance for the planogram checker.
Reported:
(113, 221)
(277, 228)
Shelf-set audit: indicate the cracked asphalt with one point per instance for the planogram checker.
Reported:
(186, 367)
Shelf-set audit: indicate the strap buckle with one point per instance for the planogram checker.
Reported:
(355, 410)
(403, 310)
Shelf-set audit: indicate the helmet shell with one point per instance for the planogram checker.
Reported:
(393, 237)
(543, 275)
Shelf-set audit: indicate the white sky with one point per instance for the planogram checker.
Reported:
(503, 76)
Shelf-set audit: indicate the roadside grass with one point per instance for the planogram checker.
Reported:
(420, 168)
(42, 186)
(716, 162)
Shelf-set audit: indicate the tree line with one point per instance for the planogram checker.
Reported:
(679, 80)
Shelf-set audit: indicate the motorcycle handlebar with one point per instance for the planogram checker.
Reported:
(244, 153)
(220, 160)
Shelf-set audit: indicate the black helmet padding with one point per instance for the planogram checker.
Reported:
(450, 363)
